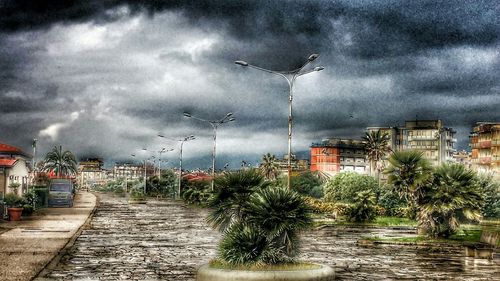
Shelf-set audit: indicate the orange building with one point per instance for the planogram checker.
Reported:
(333, 156)
(485, 144)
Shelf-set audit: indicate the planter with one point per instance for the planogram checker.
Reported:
(136, 201)
(14, 213)
(323, 273)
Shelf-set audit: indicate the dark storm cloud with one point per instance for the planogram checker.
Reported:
(386, 61)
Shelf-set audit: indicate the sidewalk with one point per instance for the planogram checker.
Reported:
(32, 243)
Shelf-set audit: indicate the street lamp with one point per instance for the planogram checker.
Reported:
(215, 123)
(182, 140)
(290, 77)
(160, 152)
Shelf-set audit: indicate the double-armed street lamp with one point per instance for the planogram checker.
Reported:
(215, 123)
(160, 152)
(290, 77)
(182, 140)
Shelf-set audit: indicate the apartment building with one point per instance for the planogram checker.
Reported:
(128, 171)
(332, 156)
(91, 172)
(485, 143)
(429, 136)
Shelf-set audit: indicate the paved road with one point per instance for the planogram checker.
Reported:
(164, 240)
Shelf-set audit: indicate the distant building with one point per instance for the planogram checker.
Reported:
(332, 156)
(485, 144)
(298, 165)
(14, 168)
(429, 136)
(128, 171)
(463, 157)
(91, 172)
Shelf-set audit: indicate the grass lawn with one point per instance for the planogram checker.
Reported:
(467, 234)
(379, 221)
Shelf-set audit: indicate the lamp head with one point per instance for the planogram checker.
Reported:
(241, 62)
(187, 114)
(231, 119)
(161, 136)
(318, 68)
(312, 57)
(229, 114)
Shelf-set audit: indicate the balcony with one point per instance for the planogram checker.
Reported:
(495, 143)
(485, 144)
(485, 160)
(415, 138)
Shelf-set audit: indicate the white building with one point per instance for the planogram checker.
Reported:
(14, 168)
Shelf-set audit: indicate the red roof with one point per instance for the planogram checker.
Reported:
(7, 162)
(9, 149)
(197, 177)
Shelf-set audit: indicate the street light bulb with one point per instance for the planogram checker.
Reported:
(133, 155)
(313, 57)
(161, 136)
(232, 119)
(229, 114)
(318, 68)
(145, 149)
(241, 62)
(187, 114)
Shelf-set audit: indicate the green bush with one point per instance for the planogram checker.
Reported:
(27, 210)
(196, 192)
(491, 192)
(363, 209)
(260, 223)
(391, 202)
(42, 195)
(344, 187)
(137, 194)
(30, 197)
(13, 200)
(321, 207)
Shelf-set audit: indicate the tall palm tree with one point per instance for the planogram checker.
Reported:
(408, 171)
(376, 147)
(453, 194)
(269, 166)
(62, 163)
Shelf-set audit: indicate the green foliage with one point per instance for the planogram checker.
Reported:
(491, 191)
(42, 194)
(407, 173)
(166, 185)
(322, 207)
(391, 202)
(260, 224)
(27, 210)
(454, 195)
(13, 200)
(231, 193)
(14, 186)
(363, 209)
(376, 147)
(30, 197)
(62, 163)
(269, 166)
(344, 187)
(196, 192)
(137, 194)
(308, 183)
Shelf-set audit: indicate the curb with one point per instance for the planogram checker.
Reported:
(64, 250)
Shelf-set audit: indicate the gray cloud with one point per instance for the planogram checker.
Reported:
(104, 77)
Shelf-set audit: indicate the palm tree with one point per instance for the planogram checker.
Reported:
(453, 194)
(269, 166)
(408, 171)
(376, 147)
(231, 194)
(62, 163)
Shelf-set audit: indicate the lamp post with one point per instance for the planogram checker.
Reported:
(290, 77)
(214, 123)
(182, 140)
(145, 169)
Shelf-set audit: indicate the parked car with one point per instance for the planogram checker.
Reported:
(61, 193)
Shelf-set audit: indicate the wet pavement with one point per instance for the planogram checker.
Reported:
(165, 240)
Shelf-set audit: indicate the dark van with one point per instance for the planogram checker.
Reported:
(61, 193)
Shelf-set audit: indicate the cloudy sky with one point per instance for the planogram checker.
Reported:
(103, 78)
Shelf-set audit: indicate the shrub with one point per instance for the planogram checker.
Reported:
(30, 197)
(363, 209)
(260, 224)
(196, 192)
(27, 210)
(321, 207)
(391, 202)
(491, 191)
(13, 200)
(344, 187)
(138, 194)
(42, 195)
